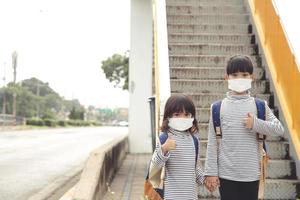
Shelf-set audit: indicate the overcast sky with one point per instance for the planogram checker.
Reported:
(63, 42)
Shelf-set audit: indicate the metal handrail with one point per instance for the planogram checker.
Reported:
(161, 59)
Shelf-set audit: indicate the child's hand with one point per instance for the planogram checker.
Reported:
(169, 145)
(249, 121)
(211, 183)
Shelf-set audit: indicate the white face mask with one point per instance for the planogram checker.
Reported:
(181, 124)
(240, 84)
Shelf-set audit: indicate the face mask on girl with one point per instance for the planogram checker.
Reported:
(180, 124)
(239, 84)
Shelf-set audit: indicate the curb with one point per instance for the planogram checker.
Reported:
(53, 189)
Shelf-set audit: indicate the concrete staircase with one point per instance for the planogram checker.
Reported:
(202, 34)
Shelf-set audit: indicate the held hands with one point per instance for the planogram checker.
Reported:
(248, 121)
(211, 183)
(169, 145)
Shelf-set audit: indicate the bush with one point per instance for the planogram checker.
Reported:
(72, 122)
(96, 123)
(79, 123)
(53, 123)
(50, 122)
(62, 123)
(35, 122)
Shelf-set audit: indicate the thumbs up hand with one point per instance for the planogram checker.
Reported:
(248, 121)
(169, 145)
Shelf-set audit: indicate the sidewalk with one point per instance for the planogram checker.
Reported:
(128, 183)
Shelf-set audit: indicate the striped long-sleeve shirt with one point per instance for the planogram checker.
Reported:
(181, 173)
(238, 155)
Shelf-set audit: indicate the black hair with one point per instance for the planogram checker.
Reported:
(176, 104)
(239, 63)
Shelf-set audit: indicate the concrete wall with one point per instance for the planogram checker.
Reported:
(100, 168)
(140, 76)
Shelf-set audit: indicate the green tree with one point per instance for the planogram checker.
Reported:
(36, 98)
(37, 87)
(77, 113)
(116, 70)
(25, 101)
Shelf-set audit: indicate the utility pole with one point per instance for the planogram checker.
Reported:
(14, 66)
(4, 93)
(38, 103)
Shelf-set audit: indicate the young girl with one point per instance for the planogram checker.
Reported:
(178, 153)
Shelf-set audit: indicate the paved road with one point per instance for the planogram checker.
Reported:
(31, 160)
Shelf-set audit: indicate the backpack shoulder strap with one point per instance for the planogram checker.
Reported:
(261, 108)
(163, 138)
(216, 109)
(261, 114)
(196, 144)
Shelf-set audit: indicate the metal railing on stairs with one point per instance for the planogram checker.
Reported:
(161, 59)
(282, 64)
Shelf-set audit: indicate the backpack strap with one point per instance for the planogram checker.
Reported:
(216, 109)
(261, 109)
(163, 138)
(196, 144)
(261, 114)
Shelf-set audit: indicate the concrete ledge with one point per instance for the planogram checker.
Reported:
(99, 170)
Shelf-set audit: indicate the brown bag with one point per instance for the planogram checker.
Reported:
(150, 192)
(263, 173)
(153, 186)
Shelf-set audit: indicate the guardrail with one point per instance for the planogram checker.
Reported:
(10, 120)
(99, 170)
(281, 62)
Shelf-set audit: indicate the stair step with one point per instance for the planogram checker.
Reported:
(203, 131)
(205, 73)
(276, 149)
(206, 9)
(204, 2)
(275, 189)
(245, 39)
(212, 86)
(204, 100)
(209, 28)
(277, 169)
(205, 60)
(209, 19)
(211, 49)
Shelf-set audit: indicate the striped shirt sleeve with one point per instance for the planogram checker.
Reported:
(158, 159)
(199, 175)
(211, 164)
(199, 172)
(271, 127)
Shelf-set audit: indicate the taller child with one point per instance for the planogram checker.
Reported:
(235, 165)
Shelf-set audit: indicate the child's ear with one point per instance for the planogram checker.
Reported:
(226, 77)
(252, 76)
